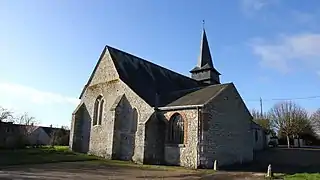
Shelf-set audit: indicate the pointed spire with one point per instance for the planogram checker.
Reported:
(205, 71)
(205, 55)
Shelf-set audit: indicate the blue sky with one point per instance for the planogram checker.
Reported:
(268, 48)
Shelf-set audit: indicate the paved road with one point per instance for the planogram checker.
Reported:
(91, 171)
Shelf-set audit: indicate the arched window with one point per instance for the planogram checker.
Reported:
(101, 111)
(98, 110)
(176, 129)
(134, 122)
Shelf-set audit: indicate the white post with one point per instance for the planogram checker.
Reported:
(215, 165)
(269, 172)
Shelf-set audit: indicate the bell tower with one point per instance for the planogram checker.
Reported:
(205, 71)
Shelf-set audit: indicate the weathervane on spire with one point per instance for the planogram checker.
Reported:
(203, 24)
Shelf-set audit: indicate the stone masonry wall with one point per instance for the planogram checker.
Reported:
(125, 123)
(80, 130)
(155, 139)
(260, 142)
(184, 154)
(105, 82)
(75, 131)
(227, 135)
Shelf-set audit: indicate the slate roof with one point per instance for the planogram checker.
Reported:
(157, 85)
(205, 59)
(153, 83)
(200, 96)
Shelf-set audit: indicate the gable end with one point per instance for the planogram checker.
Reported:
(103, 71)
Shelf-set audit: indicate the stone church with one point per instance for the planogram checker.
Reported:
(132, 109)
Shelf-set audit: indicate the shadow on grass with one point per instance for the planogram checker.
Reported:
(282, 160)
(46, 155)
(287, 161)
(40, 155)
(61, 171)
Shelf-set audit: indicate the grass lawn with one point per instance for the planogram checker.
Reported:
(63, 154)
(41, 155)
(303, 176)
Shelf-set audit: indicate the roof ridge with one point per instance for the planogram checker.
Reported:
(222, 89)
(147, 61)
(199, 96)
(182, 90)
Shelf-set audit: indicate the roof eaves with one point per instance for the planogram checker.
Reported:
(166, 108)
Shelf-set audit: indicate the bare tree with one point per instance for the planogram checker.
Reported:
(289, 118)
(64, 135)
(54, 137)
(5, 115)
(28, 125)
(262, 119)
(26, 119)
(59, 136)
(301, 123)
(65, 128)
(315, 121)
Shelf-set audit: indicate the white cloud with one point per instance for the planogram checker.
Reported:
(253, 5)
(249, 7)
(33, 95)
(285, 51)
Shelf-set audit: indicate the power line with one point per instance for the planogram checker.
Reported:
(285, 99)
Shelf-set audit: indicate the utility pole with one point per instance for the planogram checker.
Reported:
(261, 112)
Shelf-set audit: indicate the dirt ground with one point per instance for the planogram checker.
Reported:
(283, 160)
(288, 161)
(92, 171)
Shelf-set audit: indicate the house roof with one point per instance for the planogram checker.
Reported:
(151, 82)
(201, 96)
(48, 130)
